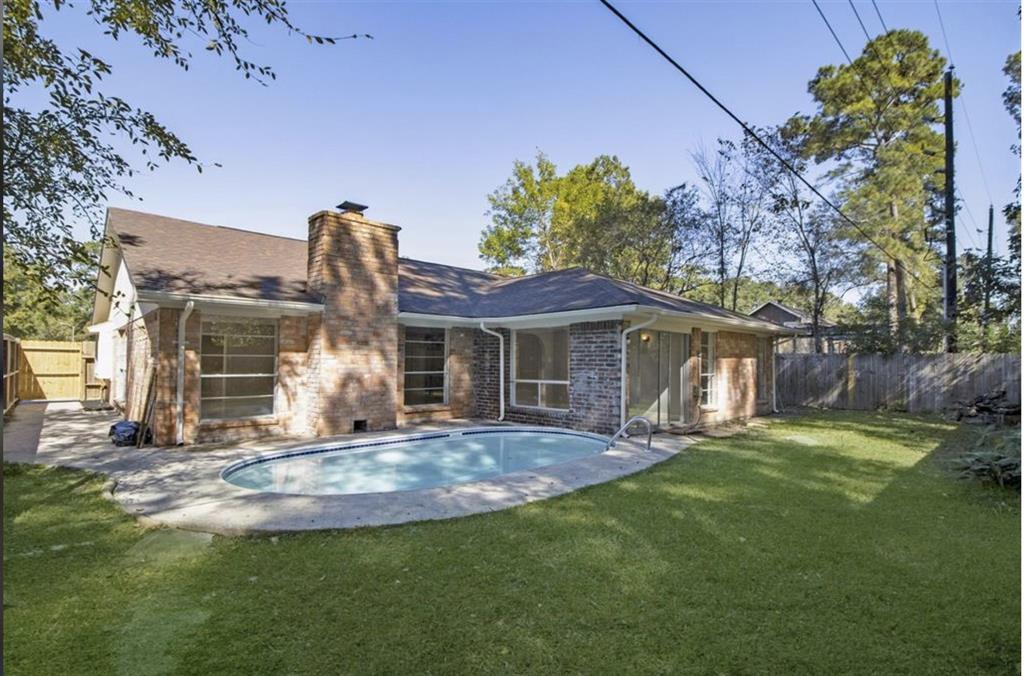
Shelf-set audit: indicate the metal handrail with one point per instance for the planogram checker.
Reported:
(622, 431)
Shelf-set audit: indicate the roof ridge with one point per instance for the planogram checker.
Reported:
(676, 297)
(209, 225)
(446, 265)
(532, 275)
(788, 308)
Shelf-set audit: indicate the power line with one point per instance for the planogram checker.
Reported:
(977, 153)
(862, 26)
(963, 106)
(970, 216)
(945, 38)
(750, 132)
(832, 31)
(879, 13)
(856, 74)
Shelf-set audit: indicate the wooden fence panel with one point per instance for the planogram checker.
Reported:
(905, 382)
(50, 369)
(11, 366)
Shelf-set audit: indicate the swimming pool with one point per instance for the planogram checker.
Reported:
(412, 462)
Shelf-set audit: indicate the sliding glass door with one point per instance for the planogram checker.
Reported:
(658, 378)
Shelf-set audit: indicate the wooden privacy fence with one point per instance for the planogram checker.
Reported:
(12, 365)
(57, 369)
(903, 382)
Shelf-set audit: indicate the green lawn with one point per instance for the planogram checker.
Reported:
(831, 543)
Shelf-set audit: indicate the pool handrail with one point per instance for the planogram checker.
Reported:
(622, 431)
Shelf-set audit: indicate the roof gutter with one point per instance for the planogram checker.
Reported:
(552, 318)
(592, 315)
(169, 299)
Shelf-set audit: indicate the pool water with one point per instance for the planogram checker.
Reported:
(403, 464)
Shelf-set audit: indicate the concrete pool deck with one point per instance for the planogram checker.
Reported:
(183, 488)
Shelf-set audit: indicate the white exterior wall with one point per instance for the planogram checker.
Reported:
(122, 301)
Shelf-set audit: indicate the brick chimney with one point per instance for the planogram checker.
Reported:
(353, 358)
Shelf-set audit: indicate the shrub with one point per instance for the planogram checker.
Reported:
(994, 457)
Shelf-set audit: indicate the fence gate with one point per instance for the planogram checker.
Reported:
(51, 369)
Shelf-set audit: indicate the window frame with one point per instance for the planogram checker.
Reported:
(224, 354)
(712, 375)
(514, 380)
(405, 371)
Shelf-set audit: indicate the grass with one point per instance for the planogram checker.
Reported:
(829, 543)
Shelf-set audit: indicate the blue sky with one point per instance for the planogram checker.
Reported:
(425, 120)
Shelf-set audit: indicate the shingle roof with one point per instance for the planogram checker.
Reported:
(469, 293)
(168, 254)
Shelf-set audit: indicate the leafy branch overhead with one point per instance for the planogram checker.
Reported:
(64, 157)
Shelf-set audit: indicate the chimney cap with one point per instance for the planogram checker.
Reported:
(352, 206)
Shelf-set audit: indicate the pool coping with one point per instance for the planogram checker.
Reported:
(242, 511)
(184, 489)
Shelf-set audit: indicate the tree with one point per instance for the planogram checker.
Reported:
(1011, 99)
(520, 237)
(738, 200)
(30, 311)
(812, 255)
(992, 326)
(62, 158)
(714, 173)
(874, 130)
(684, 233)
(593, 216)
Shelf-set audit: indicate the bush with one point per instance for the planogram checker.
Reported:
(994, 457)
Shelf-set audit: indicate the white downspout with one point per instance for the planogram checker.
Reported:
(501, 369)
(180, 390)
(622, 365)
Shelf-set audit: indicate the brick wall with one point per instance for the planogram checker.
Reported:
(292, 356)
(138, 352)
(736, 373)
(151, 339)
(593, 374)
(353, 264)
(155, 336)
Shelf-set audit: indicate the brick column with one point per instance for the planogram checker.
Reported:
(353, 265)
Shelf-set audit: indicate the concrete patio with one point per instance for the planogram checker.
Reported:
(183, 488)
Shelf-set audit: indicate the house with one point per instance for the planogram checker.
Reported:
(801, 334)
(247, 334)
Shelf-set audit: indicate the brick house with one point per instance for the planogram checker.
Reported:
(244, 334)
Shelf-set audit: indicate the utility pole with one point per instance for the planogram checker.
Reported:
(988, 282)
(950, 276)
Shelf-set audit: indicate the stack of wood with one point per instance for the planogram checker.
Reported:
(990, 408)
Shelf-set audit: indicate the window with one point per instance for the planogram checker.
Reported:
(708, 386)
(763, 355)
(540, 368)
(238, 366)
(426, 352)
